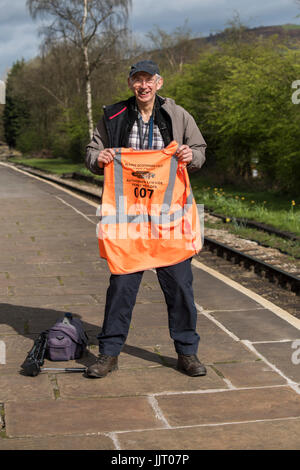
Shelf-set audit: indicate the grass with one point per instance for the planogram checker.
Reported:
(261, 206)
(53, 165)
(57, 166)
(289, 247)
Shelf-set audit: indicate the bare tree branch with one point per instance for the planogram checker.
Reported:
(81, 22)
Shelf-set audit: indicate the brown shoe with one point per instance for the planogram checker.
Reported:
(190, 365)
(103, 365)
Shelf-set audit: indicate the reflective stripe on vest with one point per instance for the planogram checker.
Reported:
(149, 217)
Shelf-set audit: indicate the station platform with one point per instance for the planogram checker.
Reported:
(49, 265)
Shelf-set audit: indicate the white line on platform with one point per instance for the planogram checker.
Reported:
(158, 412)
(273, 341)
(76, 210)
(229, 384)
(114, 438)
(55, 185)
(236, 309)
(113, 434)
(210, 317)
(294, 385)
(265, 303)
(226, 423)
(217, 390)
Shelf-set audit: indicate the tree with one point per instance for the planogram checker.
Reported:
(240, 95)
(254, 117)
(16, 110)
(174, 49)
(88, 24)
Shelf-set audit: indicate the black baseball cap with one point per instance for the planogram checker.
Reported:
(144, 66)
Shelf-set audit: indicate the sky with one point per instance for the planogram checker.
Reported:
(19, 36)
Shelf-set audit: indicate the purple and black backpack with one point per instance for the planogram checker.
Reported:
(66, 339)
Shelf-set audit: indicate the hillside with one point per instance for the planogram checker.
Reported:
(177, 53)
(287, 33)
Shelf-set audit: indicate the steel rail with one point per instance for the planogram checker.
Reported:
(270, 272)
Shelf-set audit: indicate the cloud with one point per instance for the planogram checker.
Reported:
(206, 16)
(19, 33)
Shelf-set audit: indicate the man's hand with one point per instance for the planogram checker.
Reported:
(105, 156)
(184, 154)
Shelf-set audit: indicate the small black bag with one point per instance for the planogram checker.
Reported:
(66, 339)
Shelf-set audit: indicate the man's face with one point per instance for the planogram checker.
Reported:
(145, 86)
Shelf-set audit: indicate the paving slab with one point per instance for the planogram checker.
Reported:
(132, 382)
(14, 386)
(249, 374)
(84, 268)
(28, 320)
(283, 356)
(9, 325)
(59, 291)
(133, 356)
(151, 296)
(96, 283)
(220, 350)
(58, 417)
(283, 434)
(31, 281)
(98, 442)
(217, 346)
(19, 269)
(257, 325)
(48, 300)
(149, 315)
(146, 336)
(230, 406)
(213, 294)
(16, 347)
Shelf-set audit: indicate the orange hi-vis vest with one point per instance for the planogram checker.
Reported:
(148, 216)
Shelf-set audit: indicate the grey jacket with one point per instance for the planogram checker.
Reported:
(184, 128)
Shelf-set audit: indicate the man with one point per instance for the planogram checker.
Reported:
(127, 124)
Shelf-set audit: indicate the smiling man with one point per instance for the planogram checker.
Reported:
(148, 121)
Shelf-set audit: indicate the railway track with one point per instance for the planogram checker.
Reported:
(266, 270)
(280, 270)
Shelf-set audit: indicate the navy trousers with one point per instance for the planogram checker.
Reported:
(176, 284)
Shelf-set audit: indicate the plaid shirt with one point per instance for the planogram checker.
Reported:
(134, 136)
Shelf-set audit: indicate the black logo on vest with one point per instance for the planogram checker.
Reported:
(143, 175)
